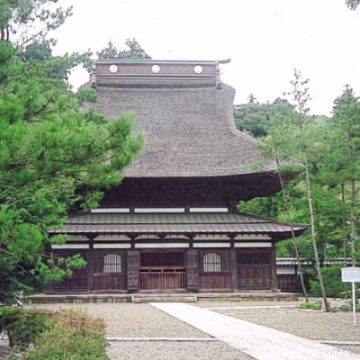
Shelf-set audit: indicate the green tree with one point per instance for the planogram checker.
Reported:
(53, 158)
(133, 51)
(346, 155)
(28, 20)
(278, 129)
(253, 116)
(301, 97)
(352, 4)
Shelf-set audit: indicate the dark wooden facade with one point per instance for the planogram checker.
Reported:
(177, 270)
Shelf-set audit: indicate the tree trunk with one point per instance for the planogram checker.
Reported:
(353, 222)
(343, 221)
(353, 227)
(288, 216)
(313, 235)
(301, 95)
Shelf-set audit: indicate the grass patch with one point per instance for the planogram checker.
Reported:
(22, 326)
(73, 335)
(315, 305)
(62, 335)
(346, 308)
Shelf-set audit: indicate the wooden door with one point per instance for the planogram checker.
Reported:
(254, 270)
(214, 269)
(109, 270)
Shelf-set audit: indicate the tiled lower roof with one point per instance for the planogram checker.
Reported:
(171, 223)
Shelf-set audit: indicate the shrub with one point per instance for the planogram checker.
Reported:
(310, 305)
(346, 307)
(22, 326)
(332, 280)
(72, 336)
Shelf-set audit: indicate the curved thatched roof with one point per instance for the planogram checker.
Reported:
(189, 127)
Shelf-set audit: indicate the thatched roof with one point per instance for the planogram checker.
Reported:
(187, 118)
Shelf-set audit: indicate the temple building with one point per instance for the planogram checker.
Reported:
(171, 225)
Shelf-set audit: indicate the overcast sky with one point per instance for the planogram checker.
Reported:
(265, 40)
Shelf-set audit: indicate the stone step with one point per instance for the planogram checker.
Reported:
(77, 299)
(137, 298)
(159, 297)
(249, 296)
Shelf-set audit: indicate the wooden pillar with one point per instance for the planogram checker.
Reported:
(49, 252)
(90, 263)
(192, 270)
(133, 273)
(234, 267)
(274, 282)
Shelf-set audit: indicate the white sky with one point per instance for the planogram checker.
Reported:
(265, 39)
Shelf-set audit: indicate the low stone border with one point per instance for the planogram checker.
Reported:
(252, 307)
(147, 339)
(336, 342)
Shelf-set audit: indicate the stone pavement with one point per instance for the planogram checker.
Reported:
(258, 341)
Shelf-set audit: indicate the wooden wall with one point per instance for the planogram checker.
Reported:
(237, 269)
(254, 269)
(79, 281)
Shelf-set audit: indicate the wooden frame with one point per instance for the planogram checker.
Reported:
(189, 272)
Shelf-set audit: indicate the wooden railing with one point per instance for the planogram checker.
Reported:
(162, 279)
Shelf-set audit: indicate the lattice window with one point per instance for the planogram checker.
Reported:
(112, 263)
(212, 262)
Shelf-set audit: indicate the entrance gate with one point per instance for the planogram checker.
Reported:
(162, 270)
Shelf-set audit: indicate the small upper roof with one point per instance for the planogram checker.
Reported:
(152, 61)
(186, 113)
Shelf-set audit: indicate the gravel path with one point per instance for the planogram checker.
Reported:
(175, 351)
(135, 320)
(310, 324)
(261, 342)
(142, 320)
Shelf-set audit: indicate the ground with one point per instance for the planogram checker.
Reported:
(126, 320)
(310, 324)
(143, 321)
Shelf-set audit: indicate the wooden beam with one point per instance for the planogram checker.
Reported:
(133, 267)
(234, 267)
(90, 263)
(274, 282)
(192, 270)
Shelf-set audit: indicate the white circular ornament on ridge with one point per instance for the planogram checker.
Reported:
(198, 69)
(113, 68)
(155, 69)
